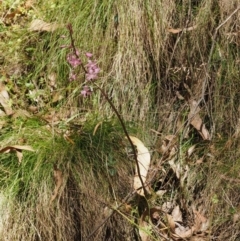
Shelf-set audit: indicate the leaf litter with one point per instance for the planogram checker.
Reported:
(170, 220)
(18, 149)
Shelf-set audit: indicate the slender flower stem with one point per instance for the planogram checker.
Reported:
(127, 135)
(75, 52)
(69, 27)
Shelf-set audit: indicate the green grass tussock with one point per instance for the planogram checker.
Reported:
(95, 174)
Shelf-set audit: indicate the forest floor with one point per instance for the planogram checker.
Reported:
(119, 120)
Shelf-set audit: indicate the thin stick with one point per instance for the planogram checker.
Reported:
(127, 135)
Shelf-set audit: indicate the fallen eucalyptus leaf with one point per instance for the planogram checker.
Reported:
(190, 150)
(196, 120)
(144, 159)
(171, 222)
(177, 214)
(7, 149)
(183, 232)
(18, 149)
(178, 30)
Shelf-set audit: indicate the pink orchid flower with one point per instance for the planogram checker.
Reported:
(86, 91)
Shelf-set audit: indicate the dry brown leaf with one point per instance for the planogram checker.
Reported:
(196, 120)
(2, 113)
(177, 214)
(18, 149)
(171, 223)
(190, 28)
(183, 232)
(190, 150)
(40, 25)
(180, 97)
(175, 167)
(178, 30)
(7, 149)
(200, 160)
(143, 227)
(169, 145)
(171, 138)
(236, 217)
(144, 159)
(127, 208)
(58, 177)
(167, 206)
(160, 193)
(5, 100)
(174, 30)
(200, 222)
(96, 127)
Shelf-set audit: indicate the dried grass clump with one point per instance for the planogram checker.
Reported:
(140, 42)
(93, 177)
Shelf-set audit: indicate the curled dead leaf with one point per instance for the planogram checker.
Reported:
(160, 193)
(176, 167)
(169, 147)
(144, 159)
(171, 223)
(236, 217)
(96, 127)
(177, 214)
(200, 160)
(18, 149)
(7, 149)
(183, 232)
(178, 30)
(167, 207)
(190, 150)
(174, 30)
(196, 121)
(201, 223)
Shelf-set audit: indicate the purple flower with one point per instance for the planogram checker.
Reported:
(73, 59)
(92, 70)
(89, 55)
(91, 76)
(86, 91)
(72, 76)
